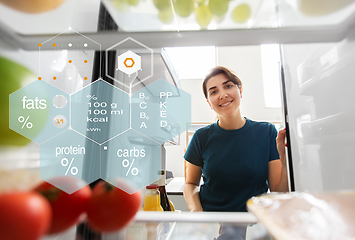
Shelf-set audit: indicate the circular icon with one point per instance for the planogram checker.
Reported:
(59, 121)
(59, 101)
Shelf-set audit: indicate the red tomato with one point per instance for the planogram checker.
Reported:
(66, 208)
(23, 215)
(110, 208)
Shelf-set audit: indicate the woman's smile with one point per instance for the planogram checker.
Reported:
(226, 104)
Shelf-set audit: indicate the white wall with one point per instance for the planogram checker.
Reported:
(246, 62)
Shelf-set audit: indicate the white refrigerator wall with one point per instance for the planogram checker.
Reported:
(320, 84)
(246, 62)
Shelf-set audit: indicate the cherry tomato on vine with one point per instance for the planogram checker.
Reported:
(110, 208)
(23, 215)
(66, 208)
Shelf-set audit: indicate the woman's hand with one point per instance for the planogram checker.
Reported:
(191, 194)
(278, 180)
(281, 144)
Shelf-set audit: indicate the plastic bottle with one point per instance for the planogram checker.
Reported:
(152, 199)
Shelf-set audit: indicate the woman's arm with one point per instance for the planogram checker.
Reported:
(277, 178)
(191, 188)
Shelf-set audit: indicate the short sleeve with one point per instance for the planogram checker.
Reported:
(274, 154)
(194, 150)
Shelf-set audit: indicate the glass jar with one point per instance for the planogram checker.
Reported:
(152, 198)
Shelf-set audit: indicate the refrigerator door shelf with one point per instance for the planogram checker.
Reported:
(319, 89)
(324, 66)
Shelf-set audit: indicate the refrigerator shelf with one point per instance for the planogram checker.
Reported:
(331, 128)
(25, 31)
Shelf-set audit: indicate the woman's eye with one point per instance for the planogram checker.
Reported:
(229, 86)
(213, 92)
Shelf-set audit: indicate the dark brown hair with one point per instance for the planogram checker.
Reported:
(218, 70)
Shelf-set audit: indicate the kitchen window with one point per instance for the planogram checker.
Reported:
(270, 60)
(192, 62)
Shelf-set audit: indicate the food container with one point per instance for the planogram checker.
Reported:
(311, 216)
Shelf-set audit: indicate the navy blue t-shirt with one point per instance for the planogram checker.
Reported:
(234, 163)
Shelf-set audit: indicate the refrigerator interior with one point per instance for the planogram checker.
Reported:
(318, 59)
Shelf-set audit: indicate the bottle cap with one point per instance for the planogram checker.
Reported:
(152, 186)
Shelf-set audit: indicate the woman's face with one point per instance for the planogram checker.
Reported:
(223, 95)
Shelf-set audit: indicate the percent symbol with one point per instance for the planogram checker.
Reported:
(28, 125)
(92, 97)
(65, 163)
(125, 163)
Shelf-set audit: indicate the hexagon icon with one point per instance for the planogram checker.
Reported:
(133, 157)
(39, 111)
(67, 65)
(132, 55)
(129, 62)
(161, 111)
(69, 155)
(100, 111)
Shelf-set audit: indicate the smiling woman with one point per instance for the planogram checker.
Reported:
(238, 158)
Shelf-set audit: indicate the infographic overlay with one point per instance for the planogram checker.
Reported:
(110, 128)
